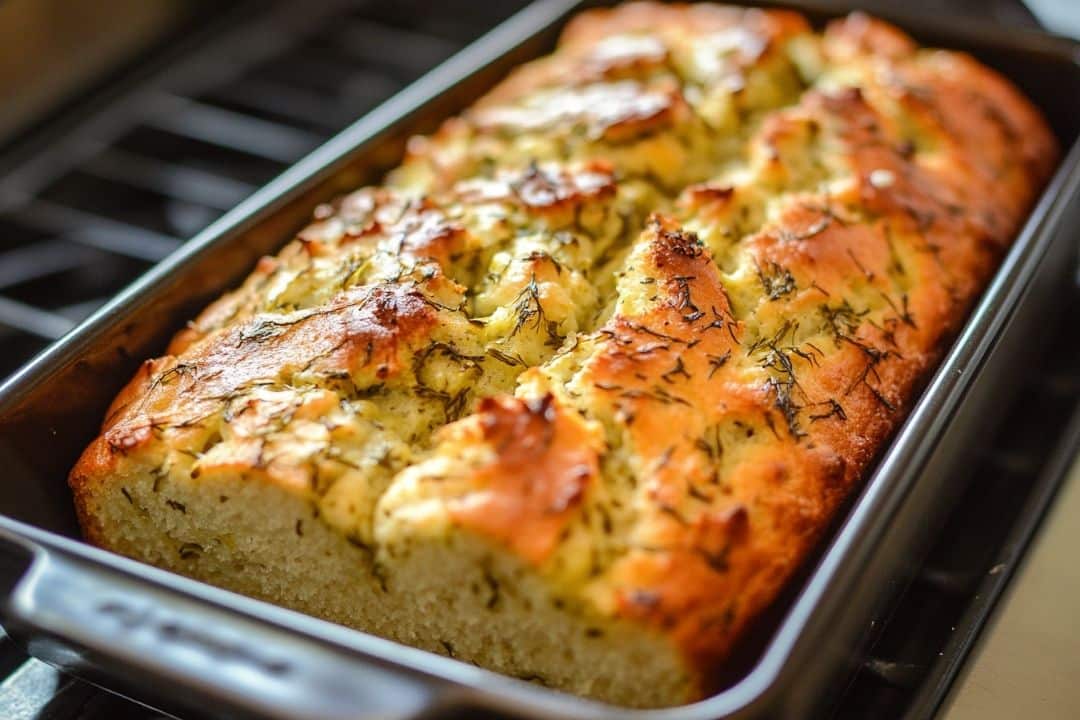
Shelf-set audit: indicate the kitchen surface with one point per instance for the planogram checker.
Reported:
(183, 110)
(1029, 661)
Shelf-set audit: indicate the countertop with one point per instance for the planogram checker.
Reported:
(1028, 664)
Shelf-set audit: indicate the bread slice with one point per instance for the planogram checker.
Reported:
(576, 391)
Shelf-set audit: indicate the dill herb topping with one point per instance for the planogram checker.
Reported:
(776, 280)
(529, 313)
(717, 361)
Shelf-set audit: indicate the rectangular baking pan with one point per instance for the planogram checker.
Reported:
(189, 648)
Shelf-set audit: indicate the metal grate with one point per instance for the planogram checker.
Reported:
(98, 204)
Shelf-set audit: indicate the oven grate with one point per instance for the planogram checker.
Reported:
(96, 205)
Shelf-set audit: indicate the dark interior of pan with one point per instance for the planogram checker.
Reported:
(198, 647)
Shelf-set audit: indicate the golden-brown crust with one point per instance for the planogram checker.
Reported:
(550, 191)
(362, 330)
(543, 461)
(704, 387)
(751, 29)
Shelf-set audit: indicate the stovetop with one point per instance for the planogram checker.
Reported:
(107, 188)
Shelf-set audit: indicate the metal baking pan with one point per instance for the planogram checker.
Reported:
(198, 650)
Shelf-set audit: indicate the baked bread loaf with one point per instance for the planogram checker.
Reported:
(573, 393)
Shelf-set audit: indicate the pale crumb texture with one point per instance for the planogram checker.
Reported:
(576, 391)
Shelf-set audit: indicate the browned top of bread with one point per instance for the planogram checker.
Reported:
(642, 317)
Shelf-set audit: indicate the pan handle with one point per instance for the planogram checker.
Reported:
(162, 646)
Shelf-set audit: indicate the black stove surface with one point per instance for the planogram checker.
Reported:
(87, 208)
